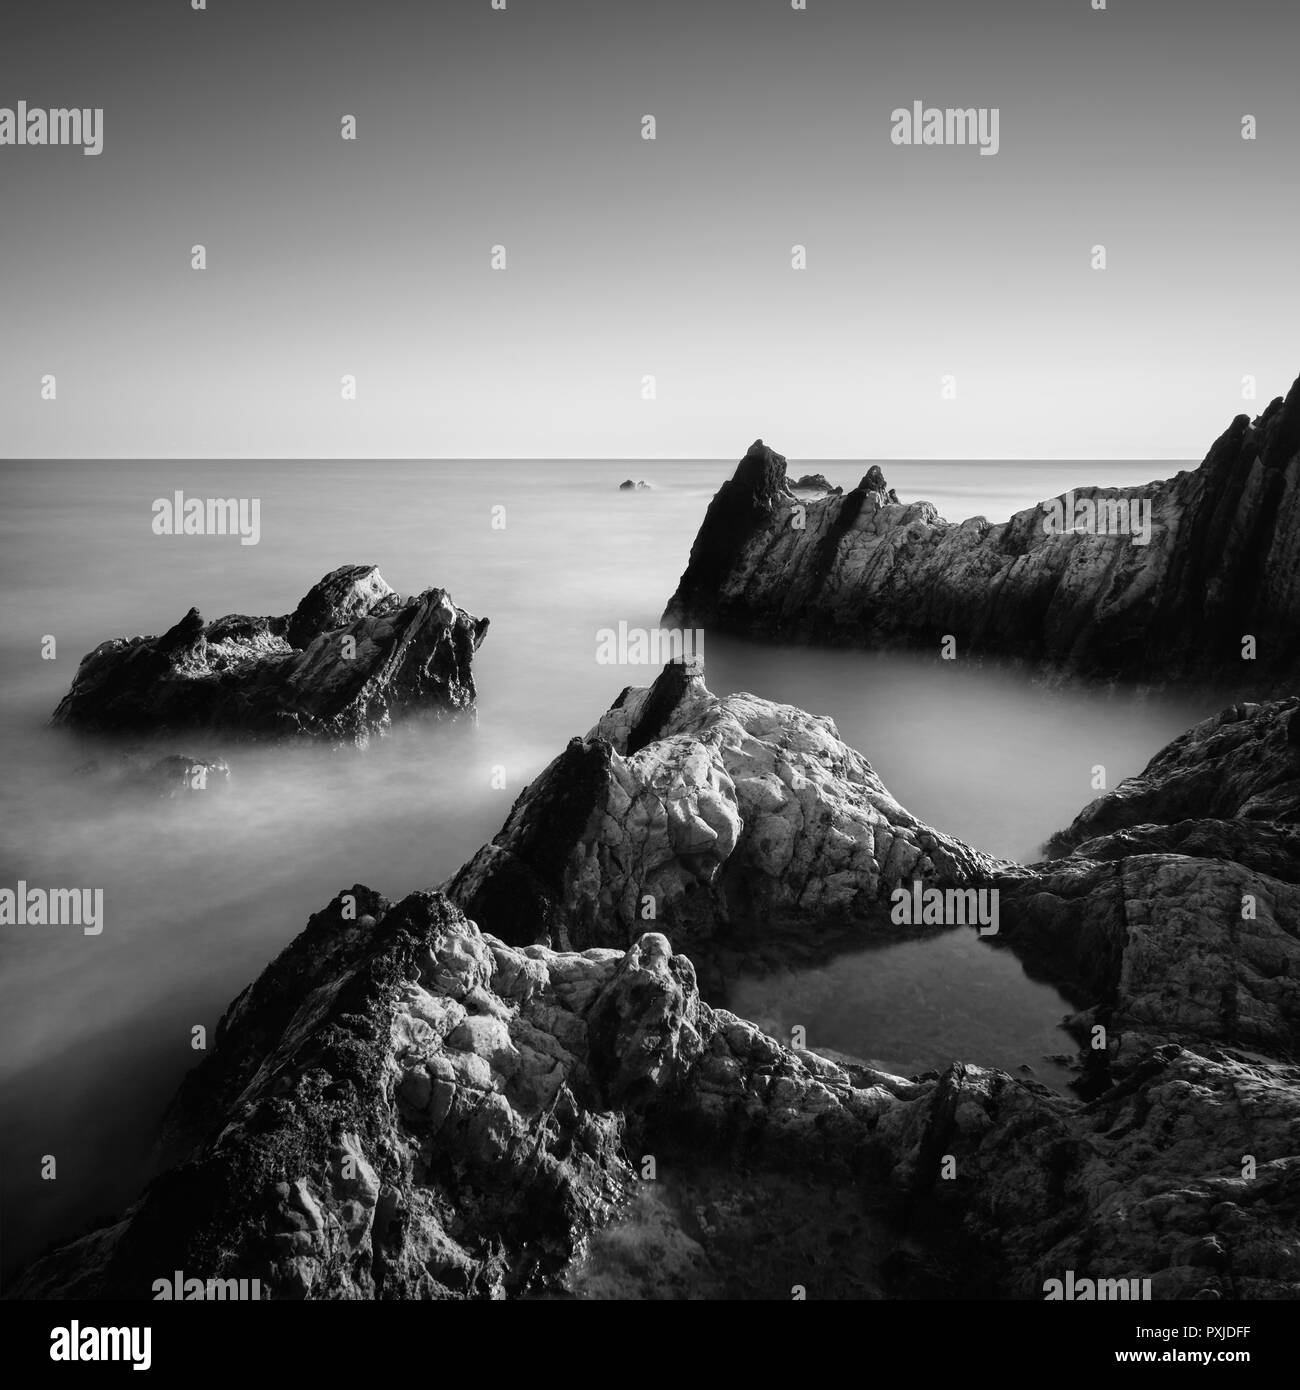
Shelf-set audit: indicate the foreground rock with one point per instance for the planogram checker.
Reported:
(350, 657)
(405, 1105)
(402, 1107)
(1218, 565)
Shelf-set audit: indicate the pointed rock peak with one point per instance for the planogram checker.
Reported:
(1285, 443)
(677, 680)
(761, 473)
(345, 594)
(185, 633)
(873, 480)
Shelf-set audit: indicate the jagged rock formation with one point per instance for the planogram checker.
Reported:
(402, 1107)
(627, 485)
(1222, 563)
(737, 818)
(405, 1105)
(351, 655)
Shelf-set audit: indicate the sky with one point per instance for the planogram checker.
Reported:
(629, 258)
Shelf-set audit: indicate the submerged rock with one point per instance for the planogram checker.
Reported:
(177, 774)
(351, 656)
(1171, 583)
(629, 486)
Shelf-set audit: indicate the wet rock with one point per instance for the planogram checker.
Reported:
(351, 656)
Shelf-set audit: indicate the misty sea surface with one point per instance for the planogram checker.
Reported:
(201, 892)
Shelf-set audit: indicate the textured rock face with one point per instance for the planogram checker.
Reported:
(733, 818)
(402, 1107)
(1222, 563)
(1242, 763)
(352, 655)
(406, 1106)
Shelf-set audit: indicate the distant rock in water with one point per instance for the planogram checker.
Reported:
(351, 656)
(174, 775)
(1177, 578)
(816, 482)
(630, 486)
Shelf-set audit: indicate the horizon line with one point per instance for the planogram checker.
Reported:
(592, 458)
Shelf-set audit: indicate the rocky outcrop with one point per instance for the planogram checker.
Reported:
(351, 656)
(406, 1105)
(1164, 580)
(745, 825)
(403, 1107)
(629, 486)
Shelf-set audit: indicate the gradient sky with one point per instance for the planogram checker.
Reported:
(627, 257)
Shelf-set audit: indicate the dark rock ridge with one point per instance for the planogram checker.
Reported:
(1222, 563)
(629, 486)
(351, 656)
(405, 1105)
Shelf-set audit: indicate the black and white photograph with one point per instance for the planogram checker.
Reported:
(650, 653)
